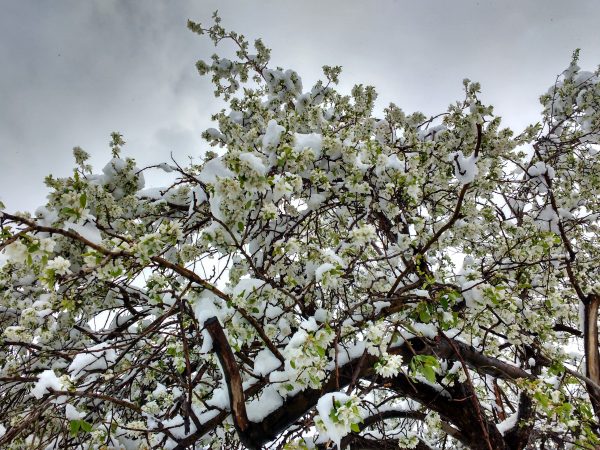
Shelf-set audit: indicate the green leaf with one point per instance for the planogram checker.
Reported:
(74, 425)
(424, 315)
(83, 200)
(68, 211)
(354, 427)
(444, 302)
(428, 373)
(85, 426)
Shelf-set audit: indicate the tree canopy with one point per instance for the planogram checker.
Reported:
(327, 275)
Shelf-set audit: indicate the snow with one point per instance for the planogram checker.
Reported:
(98, 357)
(207, 415)
(45, 216)
(265, 362)
(236, 116)
(254, 162)
(334, 431)
(322, 315)
(425, 329)
(165, 167)
(46, 380)
(547, 220)
(315, 201)
(150, 193)
(394, 163)
(540, 168)
(213, 170)
(268, 401)
(159, 390)
(204, 308)
(246, 286)
(297, 339)
(87, 231)
(272, 135)
(71, 412)
(508, 423)
(207, 342)
(581, 311)
(310, 324)
(465, 168)
(322, 269)
(347, 354)
(311, 140)
(176, 426)
(197, 197)
(215, 134)
(113, 167)
(219, 399)
(379, 305)
(472, 293)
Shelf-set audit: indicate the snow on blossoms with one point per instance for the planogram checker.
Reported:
(299, 286)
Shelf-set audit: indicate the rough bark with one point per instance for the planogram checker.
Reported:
(592, 356)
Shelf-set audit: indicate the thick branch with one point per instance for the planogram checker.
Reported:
(233, 379)
(592, 357)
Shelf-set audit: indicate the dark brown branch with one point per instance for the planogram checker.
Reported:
(233, 380)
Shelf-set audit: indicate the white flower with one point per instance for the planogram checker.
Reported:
(410, 441)
(60, 265)
(47, 245)
(389, 367)
(269, 211)
(363, 234)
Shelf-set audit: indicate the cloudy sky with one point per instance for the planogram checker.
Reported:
(72, 71)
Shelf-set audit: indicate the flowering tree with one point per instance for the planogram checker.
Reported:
(324, 277)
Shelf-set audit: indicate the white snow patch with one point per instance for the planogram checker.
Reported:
(311, 140)
(87, 231)
(322, 269)
(547, 220)
(268, 401)
(71, 412)
(213, 170)
(98, 357)
(394, 163)
(508, 423)
(315, 201)
(465, 167)
(322, 315)
(272, 135)
(219, 399)
(334, 431)
(204, 308)
(265, 362)
(46, 380)
(246, 286)
(254, 162)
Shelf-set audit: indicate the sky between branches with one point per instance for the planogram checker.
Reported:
(74, 71)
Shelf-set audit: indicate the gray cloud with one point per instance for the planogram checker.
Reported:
(74, 71)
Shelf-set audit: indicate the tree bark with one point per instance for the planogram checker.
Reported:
(592, 357)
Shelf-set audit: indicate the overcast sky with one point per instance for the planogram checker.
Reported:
(72, 71)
